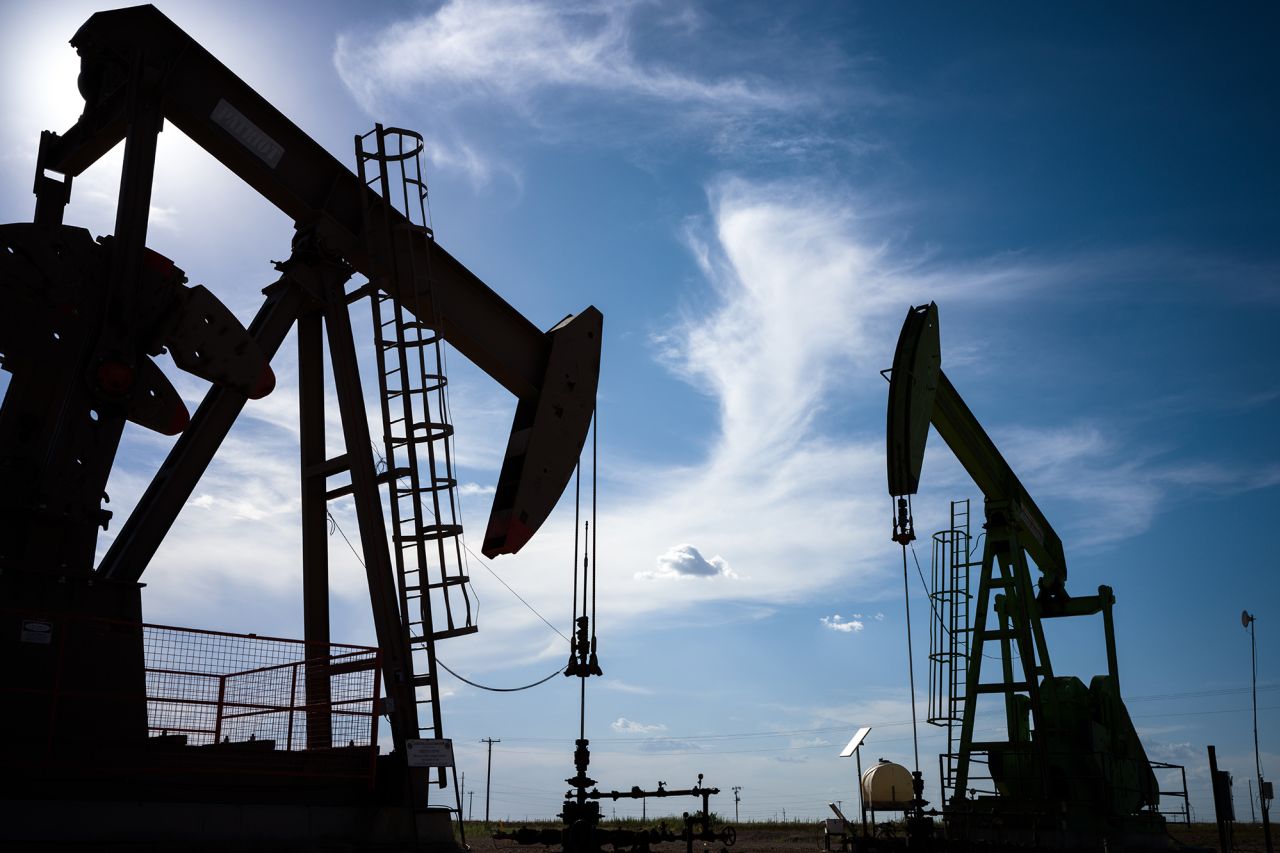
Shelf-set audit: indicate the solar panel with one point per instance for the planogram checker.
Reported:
(856, 742)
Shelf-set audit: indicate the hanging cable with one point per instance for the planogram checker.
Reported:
(911, 670)
(573, 559)
(465, 680)
(595, 559)
(904, 533)
(334, 522)
(583, 660)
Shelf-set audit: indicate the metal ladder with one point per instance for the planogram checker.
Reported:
(950, 633)
(426, 534)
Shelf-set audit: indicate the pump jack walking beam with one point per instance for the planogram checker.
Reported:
(138, 70)
(135, 61)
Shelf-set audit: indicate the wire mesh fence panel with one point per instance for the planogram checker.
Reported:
(215, 687)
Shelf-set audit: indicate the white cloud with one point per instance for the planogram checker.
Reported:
(1092, 467)
(582, 70)
(779, 492)
(686, 561)
(631, 727)
(842, 625)
(620, 686)
(514, 50)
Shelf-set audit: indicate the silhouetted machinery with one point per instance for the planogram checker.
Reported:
(1068, 772)
(582, 833)
(117, 730)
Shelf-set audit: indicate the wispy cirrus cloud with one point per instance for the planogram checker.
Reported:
(775, 351)
(619, 686)
(592, 71)
(519, 50)
(1088, 466)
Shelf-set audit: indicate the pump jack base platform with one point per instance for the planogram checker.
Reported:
(154, 826)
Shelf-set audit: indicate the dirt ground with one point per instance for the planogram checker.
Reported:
(782, 838)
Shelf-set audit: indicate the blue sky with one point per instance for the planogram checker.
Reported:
(753, 195)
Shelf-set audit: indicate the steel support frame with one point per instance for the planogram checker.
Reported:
(133, 208)
(173, 483)
(312, 287)
(315, 539)
(400, 707)
(1005, 567)
(553, 373)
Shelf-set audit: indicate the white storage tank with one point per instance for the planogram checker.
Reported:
(886, 787)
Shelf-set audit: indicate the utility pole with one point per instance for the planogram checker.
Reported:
(1253, 816)
(736, 789)
(487, 776)
(471, 799)
(1263, 786)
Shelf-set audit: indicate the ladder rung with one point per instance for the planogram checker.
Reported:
(430, 533)
(381, 479)
(452, 580)
(1001, 687)
(329, 467)
(411, 343)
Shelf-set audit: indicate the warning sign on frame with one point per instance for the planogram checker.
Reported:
(434, 752)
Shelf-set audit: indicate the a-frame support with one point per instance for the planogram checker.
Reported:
(328, 309)
(1005, 591)
(310, 292)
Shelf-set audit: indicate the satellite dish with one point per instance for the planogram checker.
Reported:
(856, 742)
(1245, 618)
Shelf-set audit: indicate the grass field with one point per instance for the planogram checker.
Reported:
(794, 836)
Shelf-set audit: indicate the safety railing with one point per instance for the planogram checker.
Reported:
(108, 695)
(205, 687)
(1172, 779)
(1014, 771)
